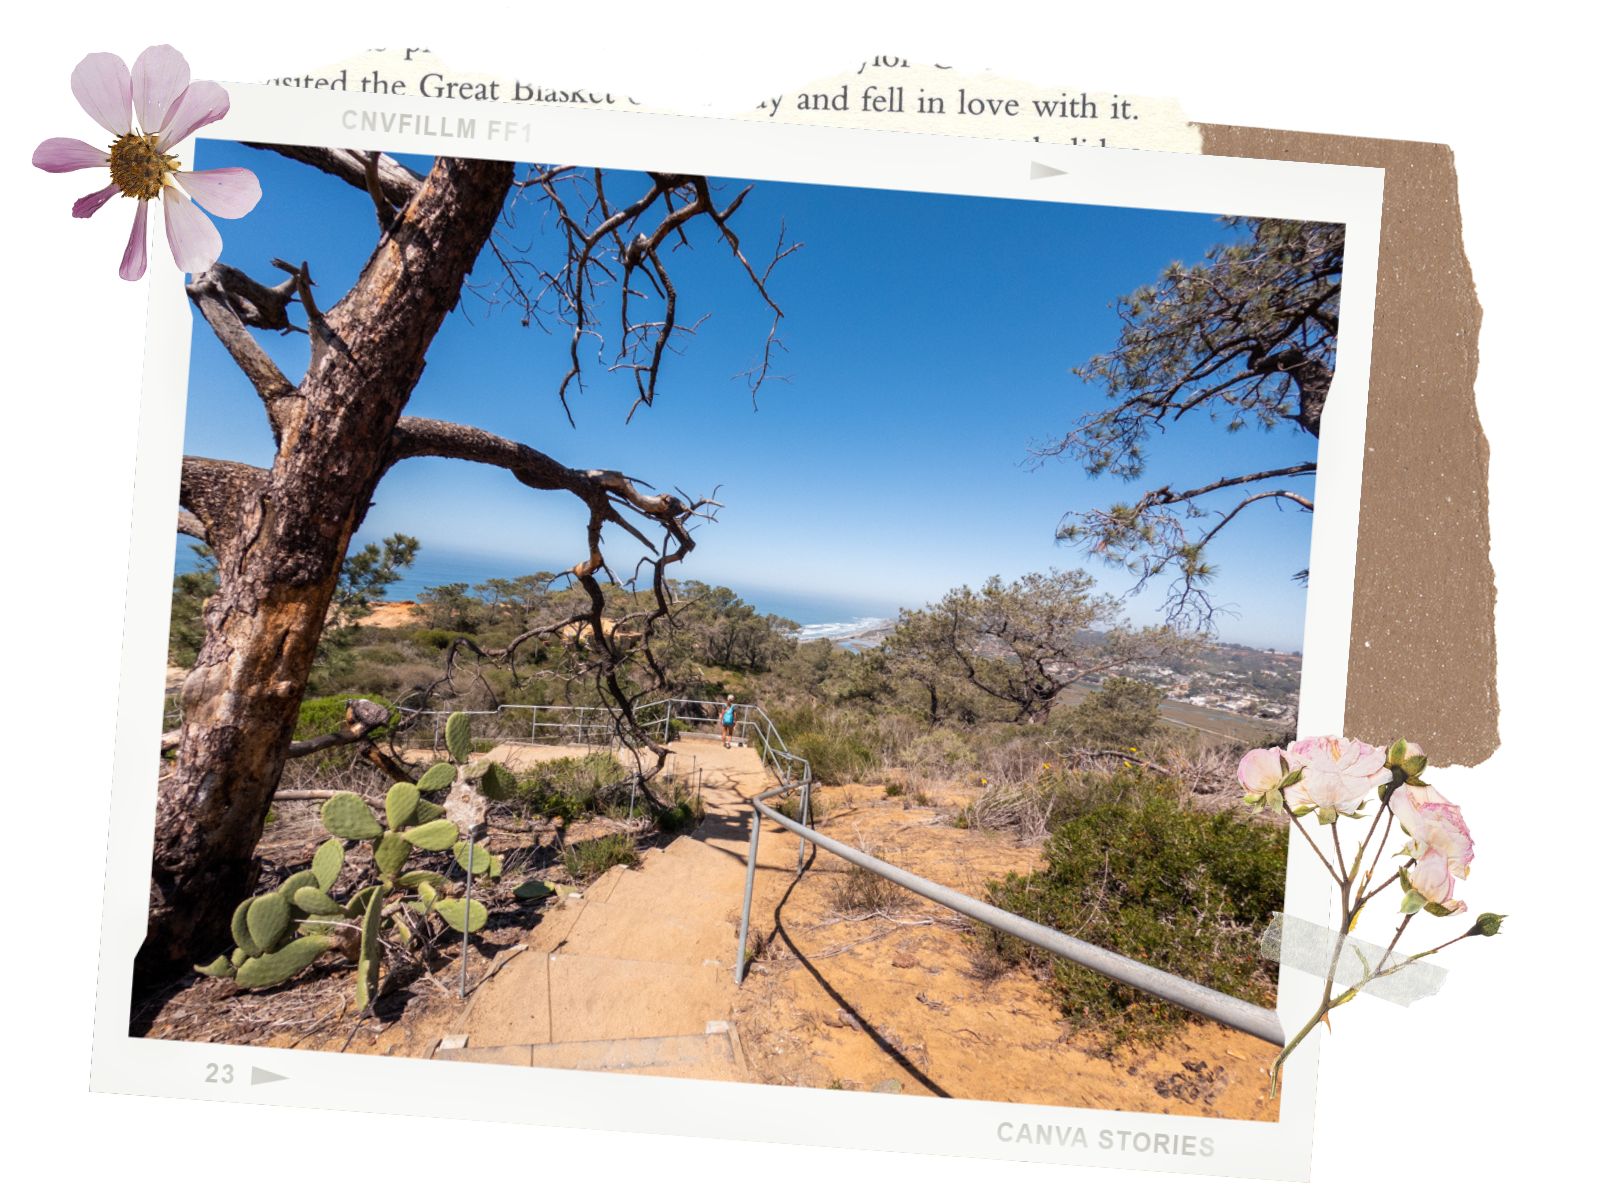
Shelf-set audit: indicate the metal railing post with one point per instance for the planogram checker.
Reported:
(749, 891)
(805, 819)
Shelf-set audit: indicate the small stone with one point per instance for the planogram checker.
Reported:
(889, 1087)
(904, 959)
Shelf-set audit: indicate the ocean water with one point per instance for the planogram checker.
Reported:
(818, 616)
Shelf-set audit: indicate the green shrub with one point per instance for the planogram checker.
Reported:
(682, 817)
(591, 859)
(835, 757)
(433, 639)
(570, 787)
(326, 715)
(1185, 891)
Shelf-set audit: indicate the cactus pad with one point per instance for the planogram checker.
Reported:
(345, 815)
(357, 904)
(437, 777)
(458, 736)
(415, 879)
(318, 903)
(481, 859)
(463, 916)
(241, 930)
(427, 811)
(400, 805)
(435, 835)
(497, 782)
(391, 853)
(269, 970)
(533, 889)
(371, 954)
(327, 862)
(295, 882)
(268, 920)
(220, 967)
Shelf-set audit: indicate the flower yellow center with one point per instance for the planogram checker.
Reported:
(138, 168)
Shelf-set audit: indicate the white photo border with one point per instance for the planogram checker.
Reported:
(775, 152)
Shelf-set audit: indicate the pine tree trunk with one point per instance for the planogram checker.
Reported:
(280, 537)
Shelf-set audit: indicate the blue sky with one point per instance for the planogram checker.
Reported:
(930, 343)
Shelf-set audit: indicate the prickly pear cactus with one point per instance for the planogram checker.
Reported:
(400, 805)
(435, 835)
(371, 953)
(327, 863)
(437, 777)
(345, 815)
(281, 933)
(463, 916)
(458, 736)
(279, 967)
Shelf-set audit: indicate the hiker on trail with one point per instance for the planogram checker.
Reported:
(728, 714)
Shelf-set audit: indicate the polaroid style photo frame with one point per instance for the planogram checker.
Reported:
(475, 373)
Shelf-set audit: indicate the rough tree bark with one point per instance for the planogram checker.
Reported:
(280, 534)
(279, 537)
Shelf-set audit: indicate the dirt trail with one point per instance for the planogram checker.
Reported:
(636, 973)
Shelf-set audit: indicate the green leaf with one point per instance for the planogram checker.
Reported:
(1412, 903)
(533, 889)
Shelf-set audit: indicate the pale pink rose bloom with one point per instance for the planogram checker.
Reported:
(1336, 773)
(168, 108)
(1435, 825)
(1261, 770)
(1433, 879)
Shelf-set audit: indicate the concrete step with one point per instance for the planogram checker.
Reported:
(709, 1055)
(600, 999)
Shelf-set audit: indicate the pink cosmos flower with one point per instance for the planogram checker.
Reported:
(168, 108)
(1440, 842)
(1261, 770)
(1336, 774)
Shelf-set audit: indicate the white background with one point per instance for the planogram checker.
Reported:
(1488, 1084)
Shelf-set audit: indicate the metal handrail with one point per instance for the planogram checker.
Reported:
(1228, 1010)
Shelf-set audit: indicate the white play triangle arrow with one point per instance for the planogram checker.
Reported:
(257, 1075)
(1039, 170)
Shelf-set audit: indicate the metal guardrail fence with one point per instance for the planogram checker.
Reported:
(755, 728)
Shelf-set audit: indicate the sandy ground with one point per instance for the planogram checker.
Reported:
(893, 1002)
(393, 614)
(634, 974)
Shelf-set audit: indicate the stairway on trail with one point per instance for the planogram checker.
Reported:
(636, 974)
